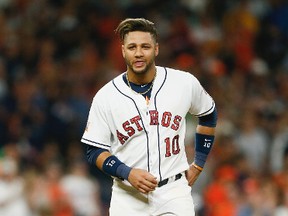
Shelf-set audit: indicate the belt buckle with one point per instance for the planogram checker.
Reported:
(163, 182)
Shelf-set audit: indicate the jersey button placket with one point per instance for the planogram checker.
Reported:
(153, 153)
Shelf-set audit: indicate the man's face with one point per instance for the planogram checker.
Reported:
(139, 51)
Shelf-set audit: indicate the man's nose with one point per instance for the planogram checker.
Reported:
(138, 52)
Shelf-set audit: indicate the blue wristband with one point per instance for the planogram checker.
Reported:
(203, 145)
(114, 167)
(123, 171)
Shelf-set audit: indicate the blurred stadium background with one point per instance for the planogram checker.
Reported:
(56, 54)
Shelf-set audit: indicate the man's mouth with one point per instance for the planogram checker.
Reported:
(139, 63)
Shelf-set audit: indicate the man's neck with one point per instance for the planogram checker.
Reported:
(142, 78)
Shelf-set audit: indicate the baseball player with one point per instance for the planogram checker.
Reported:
(136, 128)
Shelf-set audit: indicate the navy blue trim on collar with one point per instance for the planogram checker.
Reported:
(139, 88)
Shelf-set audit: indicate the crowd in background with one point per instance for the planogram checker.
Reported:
(56, 54)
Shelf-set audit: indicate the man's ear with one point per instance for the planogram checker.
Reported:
(123, 52)
(156, 49)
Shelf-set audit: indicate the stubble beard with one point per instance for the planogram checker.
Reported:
(139, 72)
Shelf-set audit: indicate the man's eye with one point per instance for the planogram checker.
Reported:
(146, 47)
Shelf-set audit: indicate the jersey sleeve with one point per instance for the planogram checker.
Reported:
(97, 132)
(201, 102)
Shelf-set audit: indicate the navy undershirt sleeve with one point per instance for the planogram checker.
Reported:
(209, 120)
(92, 153)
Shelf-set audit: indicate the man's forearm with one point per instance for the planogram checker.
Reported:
(205, 130)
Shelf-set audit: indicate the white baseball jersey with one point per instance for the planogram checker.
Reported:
(147, 136)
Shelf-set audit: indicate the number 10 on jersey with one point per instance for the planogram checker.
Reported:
(172, 146)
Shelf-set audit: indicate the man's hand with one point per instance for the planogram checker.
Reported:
(142, 180)
(192, 174)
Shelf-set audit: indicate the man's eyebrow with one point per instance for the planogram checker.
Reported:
(129, 44)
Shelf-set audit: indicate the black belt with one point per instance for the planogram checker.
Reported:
(165, 181)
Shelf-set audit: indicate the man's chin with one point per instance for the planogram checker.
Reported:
(140, 70)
